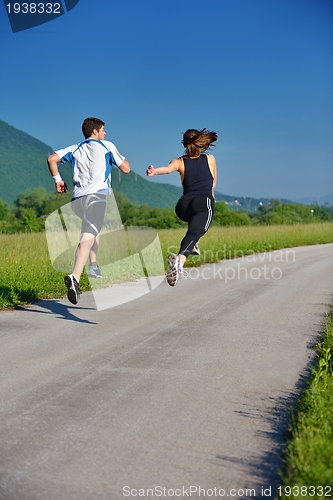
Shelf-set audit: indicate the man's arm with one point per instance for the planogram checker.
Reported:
(60, 185)
(125, 167)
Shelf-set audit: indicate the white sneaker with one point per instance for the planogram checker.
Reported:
(196, 250)
(73, 290)
(94, 272)
(175, 269)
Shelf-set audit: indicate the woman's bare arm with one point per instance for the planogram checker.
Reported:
(174, 166)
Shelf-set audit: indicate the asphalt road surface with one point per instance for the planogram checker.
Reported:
(184, 392)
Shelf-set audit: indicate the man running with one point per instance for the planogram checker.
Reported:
(92, 162)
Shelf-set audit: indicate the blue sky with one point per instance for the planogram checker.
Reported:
(258, 72)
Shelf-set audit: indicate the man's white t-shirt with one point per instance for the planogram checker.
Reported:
(91, 161)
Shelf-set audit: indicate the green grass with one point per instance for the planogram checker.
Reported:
(230, 242)
(309, 453)
(26, 273)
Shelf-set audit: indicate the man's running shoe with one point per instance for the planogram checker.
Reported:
(73, 288)
(94, 272)
(175, 269)
(196, 250)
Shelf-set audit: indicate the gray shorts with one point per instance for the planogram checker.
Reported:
(91, 210)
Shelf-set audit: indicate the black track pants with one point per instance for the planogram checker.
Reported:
(198, 211)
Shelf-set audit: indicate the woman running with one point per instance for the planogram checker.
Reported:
(196, 207)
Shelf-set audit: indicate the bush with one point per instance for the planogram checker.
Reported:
(225, 217)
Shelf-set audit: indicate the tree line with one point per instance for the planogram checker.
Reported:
(31, 208)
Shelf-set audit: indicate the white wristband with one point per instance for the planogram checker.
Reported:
(57, 178)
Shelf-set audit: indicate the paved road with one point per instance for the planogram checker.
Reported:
(184, 387)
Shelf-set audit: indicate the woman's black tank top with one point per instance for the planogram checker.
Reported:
(198, 178)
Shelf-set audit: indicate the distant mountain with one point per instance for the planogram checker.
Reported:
(244, 203)
(22, 163)
(310, 200)
(141, 191)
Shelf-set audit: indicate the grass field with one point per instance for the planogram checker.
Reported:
(26, 273)
(229, 242)
(308, 469)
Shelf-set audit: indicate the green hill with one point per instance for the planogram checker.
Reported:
(141, 191)
(22, 163)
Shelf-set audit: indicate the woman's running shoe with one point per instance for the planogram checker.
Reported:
(196, 250)
(175, 269)
(73, 291)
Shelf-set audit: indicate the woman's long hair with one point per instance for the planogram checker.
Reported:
(196, 141)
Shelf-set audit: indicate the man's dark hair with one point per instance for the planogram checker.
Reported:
(91, 124)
